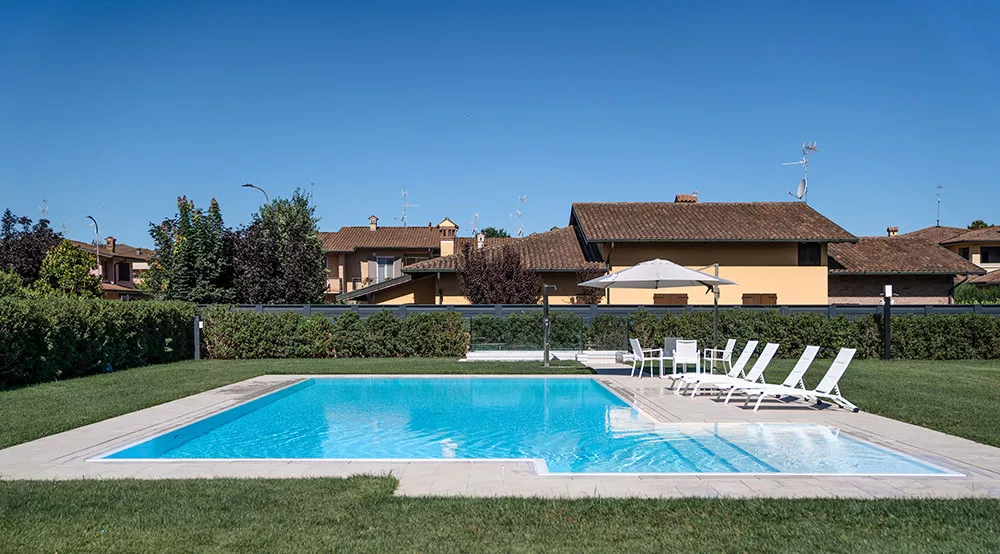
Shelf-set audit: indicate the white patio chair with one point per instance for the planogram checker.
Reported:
(794, 378)
(724, 355)
(683, 380)
(640, 356)
(685, 353)
(827, 389)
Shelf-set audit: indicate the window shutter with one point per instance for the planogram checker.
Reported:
(670, 299)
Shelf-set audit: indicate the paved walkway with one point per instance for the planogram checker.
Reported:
(66, 455)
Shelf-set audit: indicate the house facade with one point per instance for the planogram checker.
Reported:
(919, 270)
(979, 246)
(557, 256)
(120, 267)
(371, 257)
(775, 251)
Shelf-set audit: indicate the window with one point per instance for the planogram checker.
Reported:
(989, 255)
(760, 299)
(385, 269)
(810, 254)
(408, 260)
(123, 271)
(670, 299)
(964, 252)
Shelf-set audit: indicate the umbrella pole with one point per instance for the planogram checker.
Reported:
(715, 311)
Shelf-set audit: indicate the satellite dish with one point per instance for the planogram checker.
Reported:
(801, 191)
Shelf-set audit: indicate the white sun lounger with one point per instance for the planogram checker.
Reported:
(756, 372)
(828, 388)
(794, 378)
(734, 371)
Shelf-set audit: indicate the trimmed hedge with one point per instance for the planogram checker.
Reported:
(242, 334)
(927, 337)
(52, 338)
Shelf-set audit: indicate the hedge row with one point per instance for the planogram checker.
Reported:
(50, 338)
(241, 334)
(929, 337)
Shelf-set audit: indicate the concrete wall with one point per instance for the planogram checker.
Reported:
(756, 267)
(906, 289)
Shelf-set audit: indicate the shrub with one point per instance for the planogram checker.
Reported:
(48, 338)
(348, 336)
(434, 335)
(607, 332)
(967, 293)
(382, 335)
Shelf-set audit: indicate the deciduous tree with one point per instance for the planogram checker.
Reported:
(978, 224)
(23, 245)
(496, 276)
(494, 233)
(278, 257)
(66, 270)
(193, 259)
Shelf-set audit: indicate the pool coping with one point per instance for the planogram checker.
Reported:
(70, 455)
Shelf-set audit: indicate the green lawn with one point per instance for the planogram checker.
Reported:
(32, 412)
(958, 397)
(361, 514)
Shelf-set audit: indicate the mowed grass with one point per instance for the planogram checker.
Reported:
(958, 397)
(33, 412)
(360, 514)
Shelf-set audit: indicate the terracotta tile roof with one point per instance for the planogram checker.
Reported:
(936, 233)
(991, 278)
(891, 255)
(115, 287)
(557, 250)
(989, 234)
(120, 250)
(705, 221)
(349, 239)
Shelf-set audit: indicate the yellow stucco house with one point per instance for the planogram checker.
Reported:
(776, 251)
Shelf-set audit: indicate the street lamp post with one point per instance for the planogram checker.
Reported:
(97, 244)
(545, 319)
(266, 199)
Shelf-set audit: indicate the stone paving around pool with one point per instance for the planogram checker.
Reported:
(68, 455)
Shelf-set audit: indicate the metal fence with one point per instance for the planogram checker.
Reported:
(589, 312)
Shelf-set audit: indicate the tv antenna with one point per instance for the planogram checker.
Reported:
(519, 212)
(939, 189)
(402, 219)
(44, 208)
(802, 192)
(475, 224)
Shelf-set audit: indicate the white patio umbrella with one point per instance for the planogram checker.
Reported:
(662, 274)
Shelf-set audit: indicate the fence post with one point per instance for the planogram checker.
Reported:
(197, 337)
(259, 308)
(307, 310)
(831, 311)
(498, 310)
(581, 334)
(402, 312)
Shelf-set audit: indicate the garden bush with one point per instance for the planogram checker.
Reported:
(243, 334)
(53, 337)
(231, 333)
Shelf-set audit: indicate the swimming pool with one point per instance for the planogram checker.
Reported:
(564, 425)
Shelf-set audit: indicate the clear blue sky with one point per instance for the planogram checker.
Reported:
(114, 108)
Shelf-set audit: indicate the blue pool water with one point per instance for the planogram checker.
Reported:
(574, 425)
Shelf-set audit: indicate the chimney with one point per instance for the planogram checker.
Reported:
(110, 243)
(372, 222)
(892, 231)
(686, 199)
(480, 241)
(447, 230)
